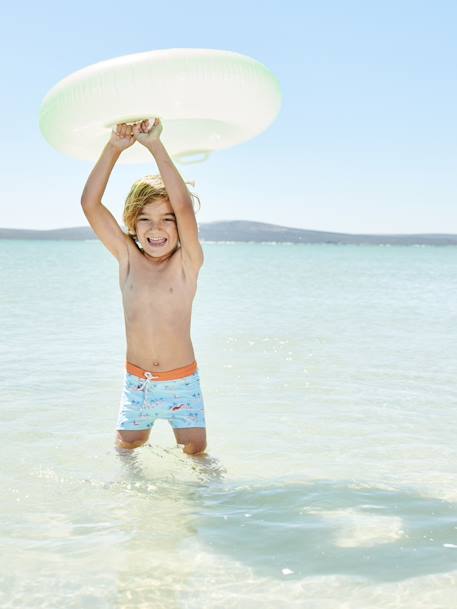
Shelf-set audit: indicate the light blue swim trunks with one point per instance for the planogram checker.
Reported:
(145, 399)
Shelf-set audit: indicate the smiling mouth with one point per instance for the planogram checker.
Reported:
(157, 242)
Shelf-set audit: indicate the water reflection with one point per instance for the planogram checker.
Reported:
(325, 528)
(140, 524)
(165, 490)
(199, 468)
(294, 530)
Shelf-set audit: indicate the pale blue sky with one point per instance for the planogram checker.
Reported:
(366, 140)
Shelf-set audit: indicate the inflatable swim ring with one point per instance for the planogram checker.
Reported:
(206, 99)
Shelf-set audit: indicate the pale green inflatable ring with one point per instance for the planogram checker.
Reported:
(206, 99)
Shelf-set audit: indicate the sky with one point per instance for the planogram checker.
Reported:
(365, 142)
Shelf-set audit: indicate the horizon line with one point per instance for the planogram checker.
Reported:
(258, 222)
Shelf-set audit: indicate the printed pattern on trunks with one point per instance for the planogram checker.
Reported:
(144, 400)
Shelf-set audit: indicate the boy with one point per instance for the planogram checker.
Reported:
(159, 261)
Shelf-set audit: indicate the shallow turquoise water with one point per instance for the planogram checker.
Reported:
(328, 374)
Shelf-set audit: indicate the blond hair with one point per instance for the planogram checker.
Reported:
(144, 191)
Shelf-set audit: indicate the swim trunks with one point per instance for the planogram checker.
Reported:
(174, 395)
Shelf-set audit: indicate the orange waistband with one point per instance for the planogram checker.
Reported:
(164, 375)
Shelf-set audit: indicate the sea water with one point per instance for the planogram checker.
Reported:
(330, 478)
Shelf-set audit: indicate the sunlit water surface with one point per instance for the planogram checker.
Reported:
(330, 479)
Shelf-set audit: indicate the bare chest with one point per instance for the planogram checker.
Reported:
(162, 293)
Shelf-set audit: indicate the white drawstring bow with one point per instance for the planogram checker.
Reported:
(149, 377)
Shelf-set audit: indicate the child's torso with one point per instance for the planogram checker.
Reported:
(157, 311)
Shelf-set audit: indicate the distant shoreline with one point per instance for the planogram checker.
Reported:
(246, 231)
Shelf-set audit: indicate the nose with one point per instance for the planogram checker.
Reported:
(156, 225)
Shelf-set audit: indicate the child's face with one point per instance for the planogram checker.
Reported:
(155, 223)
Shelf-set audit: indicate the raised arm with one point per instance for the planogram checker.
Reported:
(99, 217)
(178, 194)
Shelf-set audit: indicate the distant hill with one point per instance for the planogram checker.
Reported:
(244, 230)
